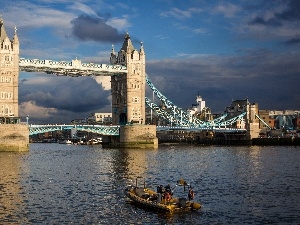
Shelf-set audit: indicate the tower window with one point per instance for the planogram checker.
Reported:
(135, 99)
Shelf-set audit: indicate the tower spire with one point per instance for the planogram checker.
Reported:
(3, 34)
(127, 44)
(112, 49)
(16, 39)
(142, 48)
(113, 57)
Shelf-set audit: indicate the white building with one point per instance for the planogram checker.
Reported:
(198, 107)
(100, 118)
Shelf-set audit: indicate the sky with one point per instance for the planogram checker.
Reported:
(221, 50)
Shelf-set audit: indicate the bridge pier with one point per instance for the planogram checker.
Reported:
(14, 138)
(134, 136)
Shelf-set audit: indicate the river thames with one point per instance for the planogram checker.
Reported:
(70, 184)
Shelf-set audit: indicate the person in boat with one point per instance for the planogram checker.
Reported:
(191, 194)
(168, 196)
(159, 193)
(168, 189)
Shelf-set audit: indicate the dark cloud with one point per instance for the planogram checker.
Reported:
(95, 29)
(76, 97)
(291, 14)
(262, 21)
(269, 79)
(292, 41)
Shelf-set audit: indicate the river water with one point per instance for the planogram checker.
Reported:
(69, 184)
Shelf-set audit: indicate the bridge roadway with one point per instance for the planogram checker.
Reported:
(114, 130)
(99, 129)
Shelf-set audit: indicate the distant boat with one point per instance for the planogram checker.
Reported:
(67, 141)
(95, 141)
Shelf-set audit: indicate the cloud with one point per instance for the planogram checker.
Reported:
(118, 23)
(227, 9)
(104, 81)
(181, 14)
(257, 74)
(262, 21)
(64, 96)
(290, 13)
(87, 28)
(34, 111)
(39, 16)
(293, 41)
(78, 6)
(199, 31)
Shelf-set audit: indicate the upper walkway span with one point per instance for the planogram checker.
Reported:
(74, 68)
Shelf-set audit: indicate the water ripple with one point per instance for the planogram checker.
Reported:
(68, 184)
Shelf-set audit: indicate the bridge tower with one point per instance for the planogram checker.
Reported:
(13, 135)
(9, 75)
(128, 91)
(128, 97)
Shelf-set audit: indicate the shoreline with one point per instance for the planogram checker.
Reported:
(254, 141)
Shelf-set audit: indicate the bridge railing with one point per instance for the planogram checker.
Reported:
(179, 117)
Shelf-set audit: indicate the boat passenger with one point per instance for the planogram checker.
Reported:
(168, 188)
(167, 196)
(159, 189)
(159, 193)
(191, 194)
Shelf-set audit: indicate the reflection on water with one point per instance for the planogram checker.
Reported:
(63, 184)
(11, 190)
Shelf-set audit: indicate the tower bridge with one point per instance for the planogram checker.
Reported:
(128, 80)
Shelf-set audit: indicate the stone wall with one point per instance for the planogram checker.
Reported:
(14, 137)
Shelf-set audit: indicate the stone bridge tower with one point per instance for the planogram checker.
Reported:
(128, 98)
(13, 135)
(128, 90)
(9, 74)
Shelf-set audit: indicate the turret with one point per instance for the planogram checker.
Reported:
(16, 42)
(113, 57)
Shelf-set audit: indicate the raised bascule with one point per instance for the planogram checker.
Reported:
(128, 84)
